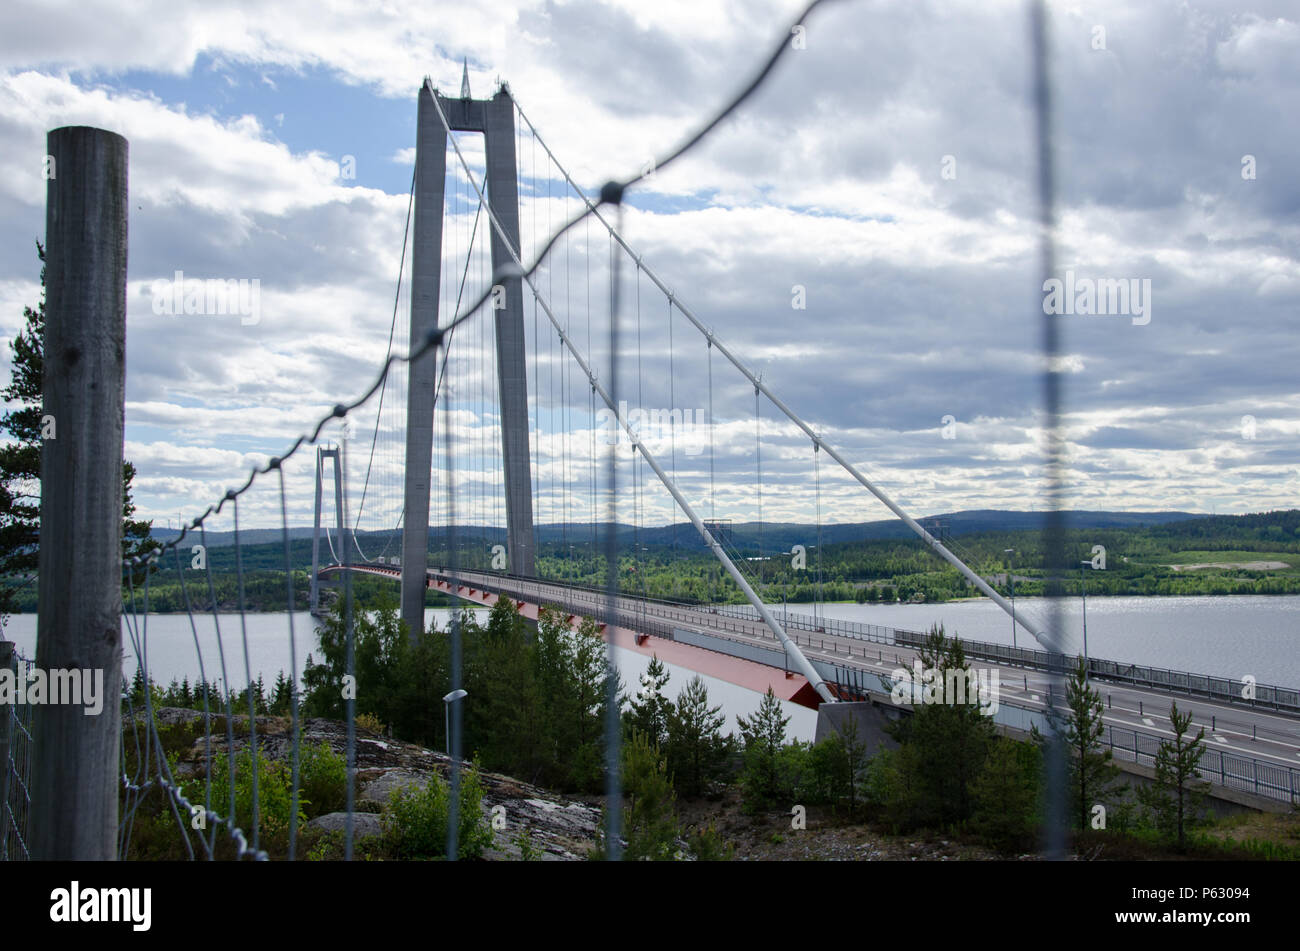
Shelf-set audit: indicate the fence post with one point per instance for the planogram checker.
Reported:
(8, 661)
(75, 765)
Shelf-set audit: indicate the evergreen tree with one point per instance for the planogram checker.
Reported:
(1007, 794)
(648, 711)
(1092, 771)
(764, 735)
(945, 742)
(837, 762)
(651, 827)
(512, 730)
(696, 747)
(1176, 799)
(20, 464)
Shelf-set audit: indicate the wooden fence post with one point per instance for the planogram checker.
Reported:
(76, 770)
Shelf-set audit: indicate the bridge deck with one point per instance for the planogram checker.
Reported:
(1270, 737)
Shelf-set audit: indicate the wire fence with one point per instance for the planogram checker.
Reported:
(202, 780)
(15, 761)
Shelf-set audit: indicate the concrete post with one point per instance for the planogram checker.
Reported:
(512, 373)
(313, 601)
(75, 774)
(426, 274)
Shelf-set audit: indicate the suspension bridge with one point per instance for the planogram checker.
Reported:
(569, 386)
(536, 421)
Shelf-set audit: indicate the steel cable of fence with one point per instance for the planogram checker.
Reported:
(612, 193)
(15, 763)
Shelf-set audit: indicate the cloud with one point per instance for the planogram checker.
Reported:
(921, 292)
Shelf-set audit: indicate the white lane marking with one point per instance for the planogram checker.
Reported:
(1148, 721)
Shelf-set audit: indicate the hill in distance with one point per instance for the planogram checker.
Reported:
(773, 534)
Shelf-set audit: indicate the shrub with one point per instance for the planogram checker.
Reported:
(274, 796)
(415, 822)
(322, 779)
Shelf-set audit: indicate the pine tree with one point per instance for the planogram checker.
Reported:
(20, 464)
(945, 743)
(648, 710)
(696, 747)
(1006, 795)
(651, 827)
(764, 735)
(1176, 799)
(854, 751)
(1092, 771)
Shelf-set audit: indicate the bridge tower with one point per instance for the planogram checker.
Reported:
(495, 119)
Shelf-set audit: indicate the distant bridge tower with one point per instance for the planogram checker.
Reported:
(495, 118)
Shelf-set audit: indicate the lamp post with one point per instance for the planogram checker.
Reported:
(1011, 579)
(447, 702)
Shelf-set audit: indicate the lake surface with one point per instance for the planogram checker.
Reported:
(1226, 636)
(168, 642)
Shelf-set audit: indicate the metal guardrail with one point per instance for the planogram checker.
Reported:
(1231, 770)
(1270, 780)
(1268, 696)
(1272, 697)
(15, 765)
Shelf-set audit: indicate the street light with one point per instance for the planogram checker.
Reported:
(1011, 579)
(447, 702)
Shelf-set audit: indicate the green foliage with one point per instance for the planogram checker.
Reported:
(416, 819)
(650, 709)
(890, 786)
(1176, 800)
(1092, 772)
(763, 735)
(697, 750)
(944, 743)
(836, 766)
(535, 707)
(708, 845)
(274, 795)
(322, 779)
(650, 825)
(20, 465)
(1007, 792)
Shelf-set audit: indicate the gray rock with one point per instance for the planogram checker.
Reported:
(378, 789)
(364, 824)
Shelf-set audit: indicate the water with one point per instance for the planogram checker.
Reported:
(1226, 636)
(169, 643)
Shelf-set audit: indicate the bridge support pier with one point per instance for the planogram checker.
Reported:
(495, 118)
(321, 455)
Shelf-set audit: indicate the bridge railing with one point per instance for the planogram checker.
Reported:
(1158, 678)
(1218, 767)
(15, 764)
(1270, 780)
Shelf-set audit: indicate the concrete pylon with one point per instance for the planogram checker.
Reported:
(495, 118)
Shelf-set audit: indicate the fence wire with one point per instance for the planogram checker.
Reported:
(208, 797)
(15, 763)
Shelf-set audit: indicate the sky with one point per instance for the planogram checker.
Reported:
(862, 233)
